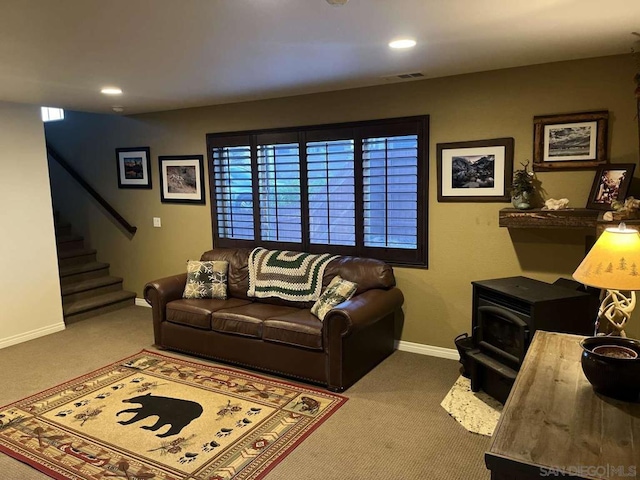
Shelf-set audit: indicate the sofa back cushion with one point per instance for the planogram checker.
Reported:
(368, 273)
(238, 272)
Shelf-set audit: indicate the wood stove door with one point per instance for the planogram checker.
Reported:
(502, 335)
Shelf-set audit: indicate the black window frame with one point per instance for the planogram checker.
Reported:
(418, 125)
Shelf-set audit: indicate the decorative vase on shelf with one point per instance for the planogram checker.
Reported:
(522, 188)
(521, 201)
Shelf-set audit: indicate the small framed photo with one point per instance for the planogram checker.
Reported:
(134, 167)
(182, 179)
(475, 171)
(611, 183)
(570, 141)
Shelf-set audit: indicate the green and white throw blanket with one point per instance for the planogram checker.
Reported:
(288, 275)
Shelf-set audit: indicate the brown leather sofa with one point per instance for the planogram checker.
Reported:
(281, 336)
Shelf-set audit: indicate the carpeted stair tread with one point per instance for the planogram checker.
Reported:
(89, 284)
(98, 301)
(62, 228)
(76, 252)
(82, 268)
(68, 238)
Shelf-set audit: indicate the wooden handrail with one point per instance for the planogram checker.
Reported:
(112, 211)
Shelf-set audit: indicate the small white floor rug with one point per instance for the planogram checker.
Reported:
(475, 411)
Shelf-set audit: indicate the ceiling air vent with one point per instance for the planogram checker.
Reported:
(403, 76)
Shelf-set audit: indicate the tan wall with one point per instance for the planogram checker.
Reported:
(465, 242)
(30, 304)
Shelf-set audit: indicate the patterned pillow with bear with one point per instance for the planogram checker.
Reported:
(206, 279)
(338, 291)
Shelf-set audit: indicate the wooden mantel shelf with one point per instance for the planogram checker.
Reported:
(538, 218)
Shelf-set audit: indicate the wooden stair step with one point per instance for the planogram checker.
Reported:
(97, 304)
(89, 284)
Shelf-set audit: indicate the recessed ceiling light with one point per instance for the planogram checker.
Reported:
(111, 91)
(403, 43)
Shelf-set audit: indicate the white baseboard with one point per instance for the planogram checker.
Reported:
(450, 353)
(38, 332)
(141, 302)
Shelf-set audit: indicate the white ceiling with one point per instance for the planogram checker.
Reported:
(169, 54)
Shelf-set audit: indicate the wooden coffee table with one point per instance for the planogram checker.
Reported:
(555, 426)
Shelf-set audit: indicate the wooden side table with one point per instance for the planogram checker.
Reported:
(555, 426)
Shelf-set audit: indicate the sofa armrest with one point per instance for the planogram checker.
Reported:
(363, 310)
(160, 292)
(165, 290)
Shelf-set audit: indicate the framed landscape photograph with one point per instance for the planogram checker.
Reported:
(475, 171)
(611, 183)
(134, 167)
(182, 179)
(570, 141)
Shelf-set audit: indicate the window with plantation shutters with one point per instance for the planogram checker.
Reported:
(232, 186)
(279, 193)
(331, 192)
(352, 189)
(390, 183)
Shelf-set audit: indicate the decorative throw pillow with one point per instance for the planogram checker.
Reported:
(206, 279)
(338, 291)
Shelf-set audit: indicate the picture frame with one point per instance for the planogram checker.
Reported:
(570, 141)
(611, 183)
(182, 179)
(475, 171)
(134, 167)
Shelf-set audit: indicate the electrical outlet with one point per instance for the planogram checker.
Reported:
(156, 222)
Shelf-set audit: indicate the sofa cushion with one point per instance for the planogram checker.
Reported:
(300, 328)
(338, 291)
(246, 319)
(206, 279)
(238, 272)
(197, 312)
(368, 273)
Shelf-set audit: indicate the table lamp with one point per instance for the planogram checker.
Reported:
(611, 361)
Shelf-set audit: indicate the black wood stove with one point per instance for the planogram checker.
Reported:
(507, 312)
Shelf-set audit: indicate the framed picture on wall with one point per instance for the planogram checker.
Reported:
(611, 183)
(134, 167)
(475, 171)
(182, 179)
(570, 141)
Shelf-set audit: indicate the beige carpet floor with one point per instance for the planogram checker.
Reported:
(392, 426)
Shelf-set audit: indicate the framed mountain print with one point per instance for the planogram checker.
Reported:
(475, 171)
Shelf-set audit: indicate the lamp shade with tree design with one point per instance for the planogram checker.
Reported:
(613, 264)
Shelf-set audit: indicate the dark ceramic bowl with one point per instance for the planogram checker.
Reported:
(616, 376)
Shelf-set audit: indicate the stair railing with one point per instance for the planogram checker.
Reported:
(98, 198)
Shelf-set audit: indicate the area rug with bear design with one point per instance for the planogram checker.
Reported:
(151, 416)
